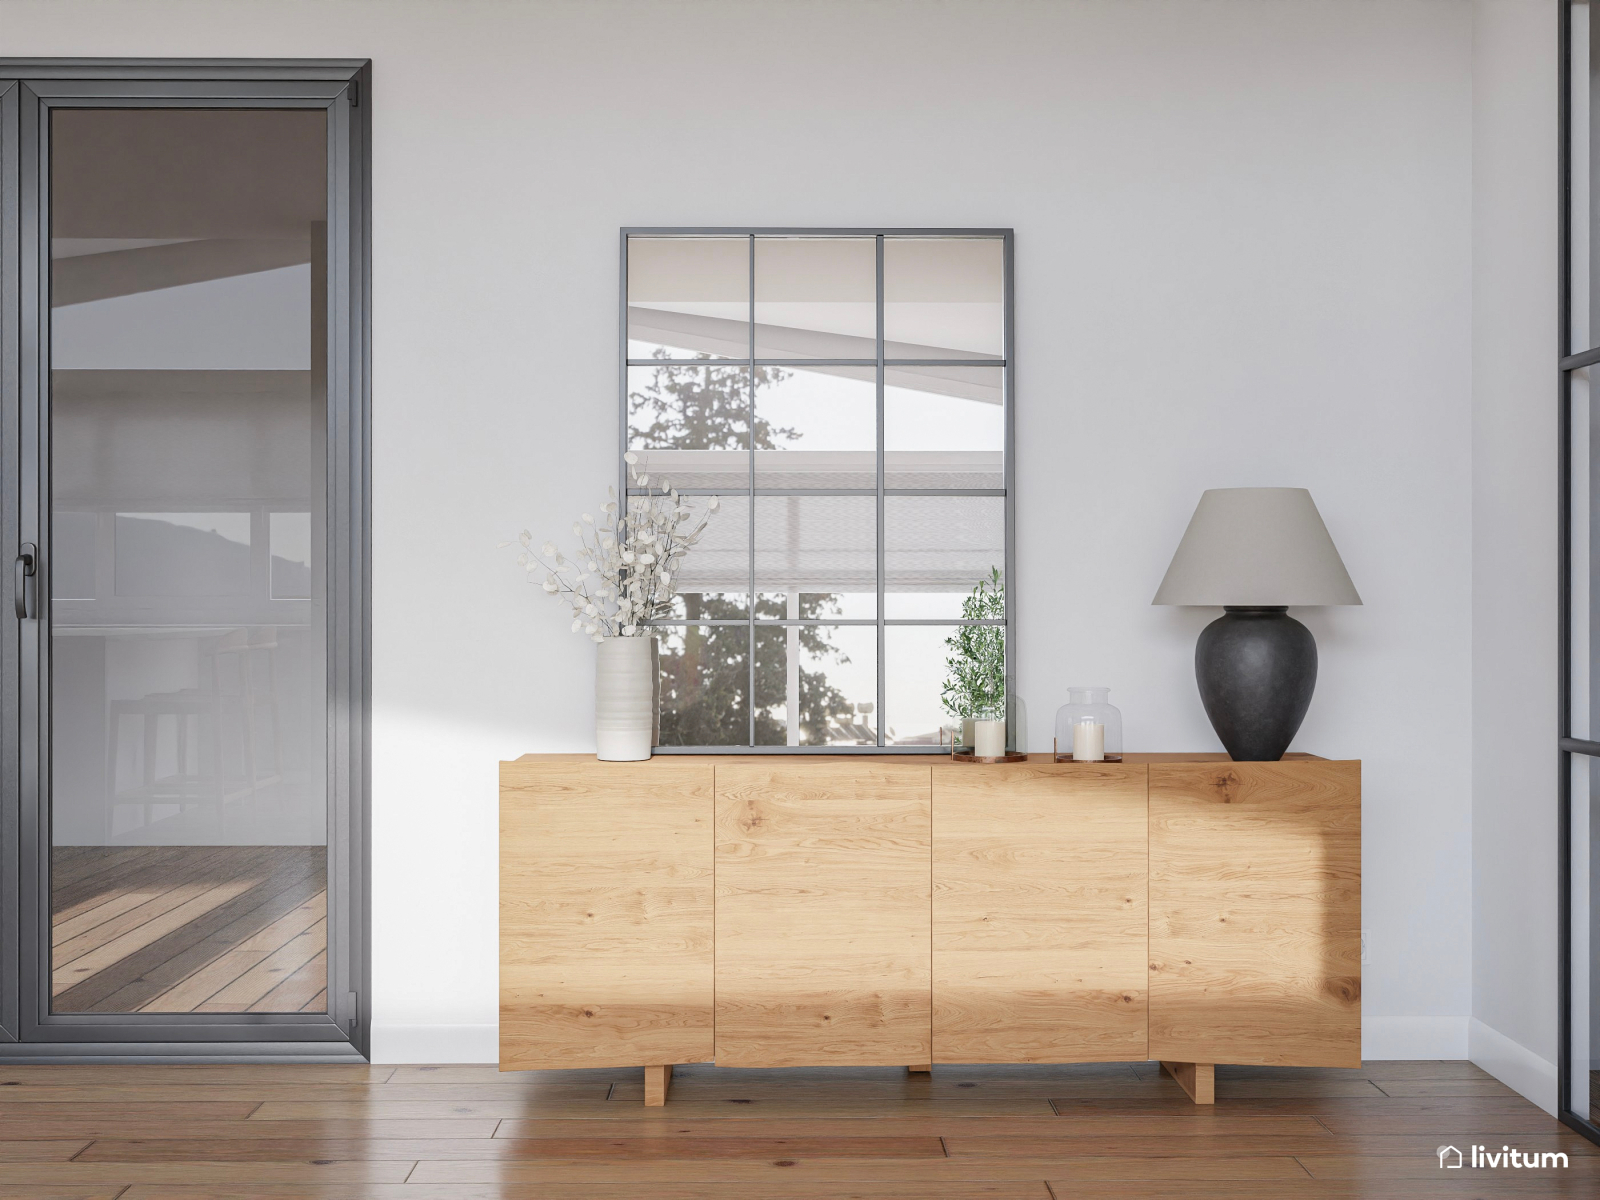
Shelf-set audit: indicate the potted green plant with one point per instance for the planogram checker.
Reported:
(975, 683)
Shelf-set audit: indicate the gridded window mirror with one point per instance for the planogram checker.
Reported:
(847, 394)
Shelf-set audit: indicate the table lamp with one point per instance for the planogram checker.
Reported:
(1255, 551)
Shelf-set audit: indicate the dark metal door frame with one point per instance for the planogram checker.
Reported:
(29, 90)
(1567, 746)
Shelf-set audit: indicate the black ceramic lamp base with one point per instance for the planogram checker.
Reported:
(1256, 668)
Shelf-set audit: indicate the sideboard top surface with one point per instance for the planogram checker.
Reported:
(1201, 756)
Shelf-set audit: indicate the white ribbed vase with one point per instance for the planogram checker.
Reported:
(625, 698)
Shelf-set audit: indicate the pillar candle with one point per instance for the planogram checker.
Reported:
(989, 738)
(1088, 742)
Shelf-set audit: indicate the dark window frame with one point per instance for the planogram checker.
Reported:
(29, 90)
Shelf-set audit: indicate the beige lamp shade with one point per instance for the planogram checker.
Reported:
(1256, 547)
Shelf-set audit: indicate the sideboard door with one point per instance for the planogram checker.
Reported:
(605, 912)
(1255, 913)
(1040, 913)
(822, 913)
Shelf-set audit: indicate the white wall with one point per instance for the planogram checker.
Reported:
(1514, 545)
(1244, 244)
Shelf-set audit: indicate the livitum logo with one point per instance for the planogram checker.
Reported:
(1451, 1159)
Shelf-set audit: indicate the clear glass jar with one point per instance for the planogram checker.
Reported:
(1088, 727)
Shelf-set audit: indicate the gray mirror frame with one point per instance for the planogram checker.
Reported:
(1006, 363)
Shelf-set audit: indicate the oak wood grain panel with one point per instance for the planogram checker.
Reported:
(787, 1087)
(823, 913)
(822, 1173)
(1040, 913)
(154, 1128)
(53, 1150)
(820, 1142)
(246, 1177)
(685, 1104)
(15, 1099)
(1255, 913)
(1399, 1172)
(734, 1146)
(605, 912)
(1091, 1125)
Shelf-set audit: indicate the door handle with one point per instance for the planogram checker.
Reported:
(27, 567)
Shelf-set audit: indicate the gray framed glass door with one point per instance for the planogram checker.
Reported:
(186, 482)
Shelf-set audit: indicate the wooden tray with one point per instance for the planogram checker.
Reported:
(969, 757)
(1055, 754)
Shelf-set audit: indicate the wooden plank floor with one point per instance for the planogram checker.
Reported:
(189, 928)
(1000, 1133)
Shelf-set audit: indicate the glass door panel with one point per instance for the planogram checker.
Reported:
(188, 659)
(1585, 917)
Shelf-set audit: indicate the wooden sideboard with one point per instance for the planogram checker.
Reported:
(775, 911)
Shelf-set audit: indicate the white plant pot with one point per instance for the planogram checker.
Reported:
(966, 732)
(626, 686)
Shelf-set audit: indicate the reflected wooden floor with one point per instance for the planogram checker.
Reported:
(189, 929)
(1000, 1133)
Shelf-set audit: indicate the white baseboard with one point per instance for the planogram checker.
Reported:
(435, 1043)
(1513, 1064)
(1413, 1037)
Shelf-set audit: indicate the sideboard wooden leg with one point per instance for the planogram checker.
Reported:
(1199, 1080)
(921, 1069)
(656, 1082)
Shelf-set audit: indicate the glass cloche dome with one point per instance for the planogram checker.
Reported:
(1088, 727)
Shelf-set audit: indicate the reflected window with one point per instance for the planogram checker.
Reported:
(846, 395)
(183, 554)
(290, 534)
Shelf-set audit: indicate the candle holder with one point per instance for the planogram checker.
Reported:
(989, 741)
(967, 756)
(1088, 727)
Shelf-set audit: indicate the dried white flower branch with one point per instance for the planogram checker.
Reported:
(622, 577)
